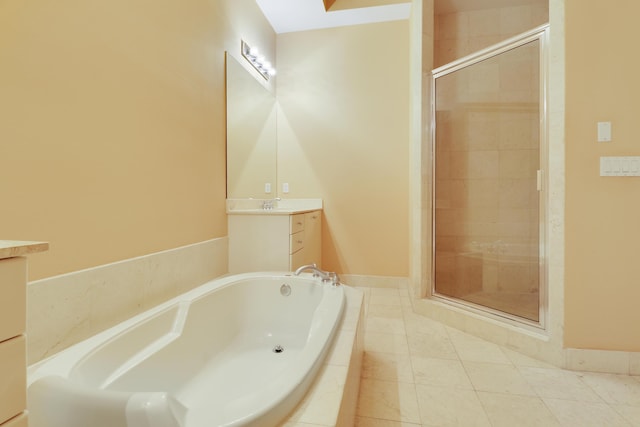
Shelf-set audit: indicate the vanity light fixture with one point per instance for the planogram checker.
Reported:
(259, 62)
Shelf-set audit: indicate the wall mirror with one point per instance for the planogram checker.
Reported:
(251, 134)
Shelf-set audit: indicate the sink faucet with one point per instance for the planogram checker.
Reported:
(268, 204)
(326, 276)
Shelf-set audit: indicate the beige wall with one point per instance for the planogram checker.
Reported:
(343, 136)
(112, 142)
(602, 231)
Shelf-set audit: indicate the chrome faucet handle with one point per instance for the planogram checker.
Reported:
(336, 279)
(333, 278)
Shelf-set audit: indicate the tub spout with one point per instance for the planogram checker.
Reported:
(326, 276)
(313, 267)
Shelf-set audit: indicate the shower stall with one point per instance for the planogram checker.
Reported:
(489, 192)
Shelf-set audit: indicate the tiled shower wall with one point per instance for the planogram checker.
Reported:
(459, 34)
(487, 155)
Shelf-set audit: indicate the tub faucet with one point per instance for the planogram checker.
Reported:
(326, 276)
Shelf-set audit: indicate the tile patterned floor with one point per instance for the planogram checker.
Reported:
(418, 373)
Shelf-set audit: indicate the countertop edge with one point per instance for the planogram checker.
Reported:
(270, 212)
(16, 248)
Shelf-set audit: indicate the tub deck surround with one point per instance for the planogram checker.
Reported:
(279, 206)
(158, 369)
(333, 397)
(15, 248)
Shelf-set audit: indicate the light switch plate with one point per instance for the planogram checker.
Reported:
(620, 166)
(604, 131)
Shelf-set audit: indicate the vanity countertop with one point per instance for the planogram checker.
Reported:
(275, 211)
(14, 248)
(279, 207)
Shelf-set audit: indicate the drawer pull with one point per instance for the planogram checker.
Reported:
(300, 241)
(299, 223)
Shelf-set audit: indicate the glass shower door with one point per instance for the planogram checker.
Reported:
(487, 181)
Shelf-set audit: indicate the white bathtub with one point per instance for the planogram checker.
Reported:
(205, 358)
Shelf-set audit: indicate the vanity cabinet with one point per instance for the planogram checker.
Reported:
(274, 241)
(13, 317)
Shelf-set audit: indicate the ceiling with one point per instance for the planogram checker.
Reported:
(288, 16)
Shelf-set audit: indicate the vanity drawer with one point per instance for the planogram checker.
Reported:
(296, 242)
(13, 371)
(297, 223)
(13, 283)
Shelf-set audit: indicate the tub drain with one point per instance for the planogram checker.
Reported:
(278, 349)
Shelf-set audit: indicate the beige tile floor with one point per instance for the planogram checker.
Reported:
(418, 372)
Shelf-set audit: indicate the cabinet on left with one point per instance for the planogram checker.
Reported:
(13, 319)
